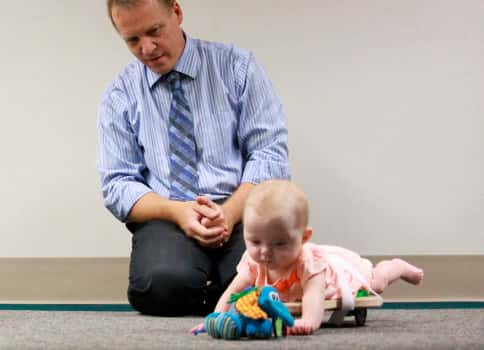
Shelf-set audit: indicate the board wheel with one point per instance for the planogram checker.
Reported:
(360, 316)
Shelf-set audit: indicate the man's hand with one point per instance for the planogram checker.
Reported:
(189, 216)
(226, 215)
(203, 220)
(214, 215)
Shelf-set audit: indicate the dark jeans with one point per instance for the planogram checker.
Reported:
(168, 271)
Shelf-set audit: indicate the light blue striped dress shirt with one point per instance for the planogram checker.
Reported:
(239, 126)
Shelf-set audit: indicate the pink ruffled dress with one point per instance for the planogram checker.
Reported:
(312, 260)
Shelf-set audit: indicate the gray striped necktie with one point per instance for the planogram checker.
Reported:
(183, 155)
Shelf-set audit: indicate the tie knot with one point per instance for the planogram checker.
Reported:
(173, 78)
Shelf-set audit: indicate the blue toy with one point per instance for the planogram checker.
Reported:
(254, 313)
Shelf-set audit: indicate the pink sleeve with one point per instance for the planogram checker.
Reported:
(246, 267)
(310, 263)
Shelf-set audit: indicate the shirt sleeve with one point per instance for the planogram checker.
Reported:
(245, 268)
(310, 263)
(120, 160)
(262, 131)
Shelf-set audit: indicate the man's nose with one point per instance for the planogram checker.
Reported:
(147, 47)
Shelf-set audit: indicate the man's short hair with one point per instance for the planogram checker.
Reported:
(132, 3)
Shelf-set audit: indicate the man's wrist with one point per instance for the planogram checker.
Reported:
(231, 218)
(172, 210)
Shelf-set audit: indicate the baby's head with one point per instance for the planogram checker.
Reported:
(276, 223)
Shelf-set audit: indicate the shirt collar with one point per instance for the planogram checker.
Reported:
(188, 64)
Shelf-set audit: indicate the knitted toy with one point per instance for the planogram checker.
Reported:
(254, 313)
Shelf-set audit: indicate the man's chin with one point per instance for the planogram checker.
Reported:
(160, 68)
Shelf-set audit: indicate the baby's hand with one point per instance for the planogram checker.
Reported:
(198, 329)
(301, 327)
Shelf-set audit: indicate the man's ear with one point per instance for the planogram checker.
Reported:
(178, 12)
(308, 232)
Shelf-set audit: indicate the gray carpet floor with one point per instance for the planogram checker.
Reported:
(385, 329)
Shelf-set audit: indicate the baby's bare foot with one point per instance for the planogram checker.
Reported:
(411, 274)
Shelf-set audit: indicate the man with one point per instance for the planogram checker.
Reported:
(185, 131)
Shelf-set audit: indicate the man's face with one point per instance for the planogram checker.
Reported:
(152, 33)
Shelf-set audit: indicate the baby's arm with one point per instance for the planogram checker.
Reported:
(238, 284)
(312, 306)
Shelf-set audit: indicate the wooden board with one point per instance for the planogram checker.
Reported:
(364, 302)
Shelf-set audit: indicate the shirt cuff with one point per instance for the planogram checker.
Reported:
(257, 171)
(128, 194)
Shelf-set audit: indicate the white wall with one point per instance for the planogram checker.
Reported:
(383, 98)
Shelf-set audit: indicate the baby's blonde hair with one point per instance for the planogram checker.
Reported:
(279, 198)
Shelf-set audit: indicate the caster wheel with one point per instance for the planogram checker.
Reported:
(360, 317)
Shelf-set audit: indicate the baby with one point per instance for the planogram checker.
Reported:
(279, 254)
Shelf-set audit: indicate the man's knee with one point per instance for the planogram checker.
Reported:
(169, 291)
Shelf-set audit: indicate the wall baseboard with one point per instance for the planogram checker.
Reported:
(104, 280)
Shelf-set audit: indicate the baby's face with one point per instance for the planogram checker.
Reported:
(271, 241)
